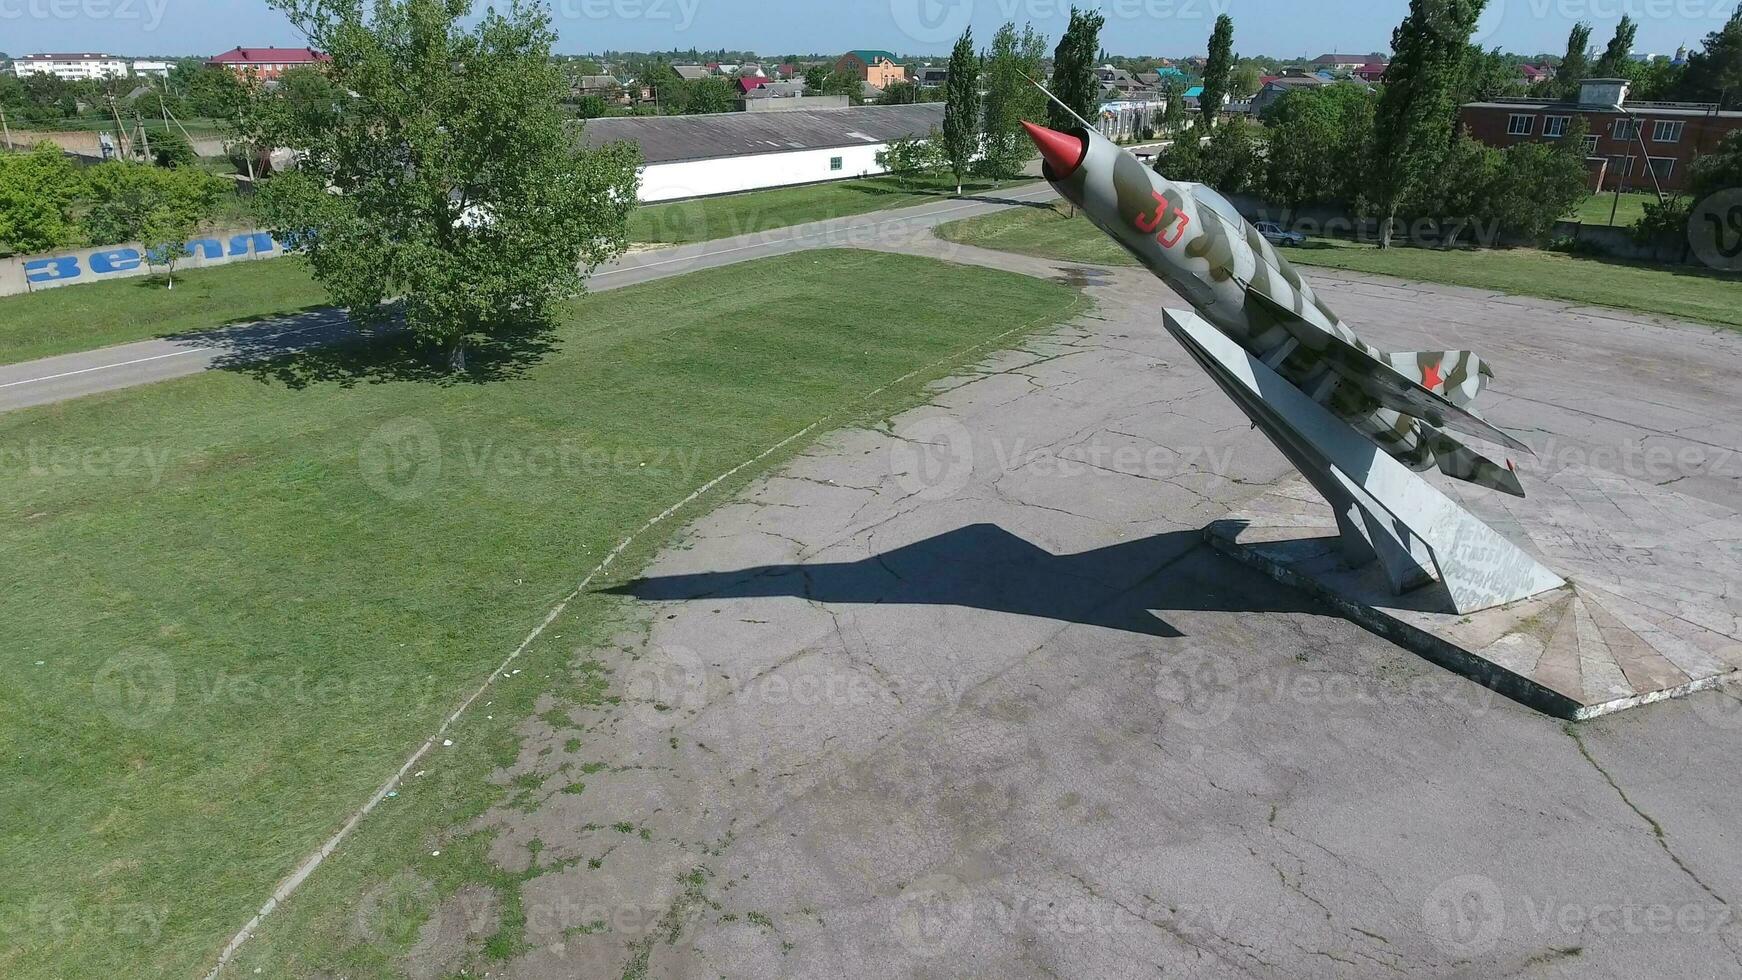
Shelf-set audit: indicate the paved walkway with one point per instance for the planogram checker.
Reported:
(966, 696)
(55, 379)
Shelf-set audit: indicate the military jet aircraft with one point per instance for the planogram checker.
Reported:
(1194, 240)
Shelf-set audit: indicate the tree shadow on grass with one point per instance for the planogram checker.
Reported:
(326, 347)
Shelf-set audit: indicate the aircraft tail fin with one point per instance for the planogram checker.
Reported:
(1456, 375)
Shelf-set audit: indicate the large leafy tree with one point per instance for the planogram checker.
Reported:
(1012, 61)
(1616, 57)
(1313, 134)
(1074, 81)
(1173, 116)
(962, 107)
(1714, 73)
(447, 177)
(38, 191)
(158, 207)
(1413, 121)
(1217, 71)
(1575, 65)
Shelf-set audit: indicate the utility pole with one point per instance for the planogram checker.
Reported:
(120, 130)
(144, 136)
(4, 128)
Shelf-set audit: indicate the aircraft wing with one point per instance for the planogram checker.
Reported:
(1384, 383)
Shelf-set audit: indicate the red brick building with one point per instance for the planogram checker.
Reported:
(267, 63)
(1673, 133)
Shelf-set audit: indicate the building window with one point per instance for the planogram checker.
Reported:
(1664, 131)
(1520, 125)
(1626, 129)
(1662, 167)
(1590, 146)
(1621, 166)
(834, 163)
(1554, 127)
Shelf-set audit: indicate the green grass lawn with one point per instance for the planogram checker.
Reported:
(238, 603)
(706, 219)
(1682, 292)
(1596, 209)
(77, 318)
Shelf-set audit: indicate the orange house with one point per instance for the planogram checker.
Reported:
(877, 67)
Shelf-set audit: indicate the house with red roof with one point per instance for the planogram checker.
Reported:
(267, 63)
(1372, 71)
(1533, 74)
(750, 83)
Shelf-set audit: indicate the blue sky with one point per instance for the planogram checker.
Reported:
(1169, 27)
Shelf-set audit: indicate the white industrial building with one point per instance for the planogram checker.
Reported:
(702, 156)
(72, 67)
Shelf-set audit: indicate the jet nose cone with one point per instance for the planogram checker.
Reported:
(1062, 151)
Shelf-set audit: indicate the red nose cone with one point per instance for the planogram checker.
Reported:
(1063, 152)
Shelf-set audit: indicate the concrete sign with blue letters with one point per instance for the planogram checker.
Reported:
(28, 273)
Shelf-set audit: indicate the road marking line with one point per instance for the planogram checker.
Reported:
(105, 367)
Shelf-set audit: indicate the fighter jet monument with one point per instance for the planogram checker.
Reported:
(1358, 423)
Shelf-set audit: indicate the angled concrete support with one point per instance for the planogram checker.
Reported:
(1385, 511)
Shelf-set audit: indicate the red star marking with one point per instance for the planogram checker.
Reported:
(1431, 376)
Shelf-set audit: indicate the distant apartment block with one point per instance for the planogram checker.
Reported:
(268, 63)
(1627, 142)
(71, 67)
(876, 68)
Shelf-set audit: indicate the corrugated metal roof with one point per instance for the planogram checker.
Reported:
(669, 139)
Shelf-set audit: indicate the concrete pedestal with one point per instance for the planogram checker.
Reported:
(1645, 614)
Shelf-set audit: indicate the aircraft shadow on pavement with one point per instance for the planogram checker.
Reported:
(324, 346)
(1126, 586)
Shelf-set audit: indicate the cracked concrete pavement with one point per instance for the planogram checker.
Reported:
(965, 695)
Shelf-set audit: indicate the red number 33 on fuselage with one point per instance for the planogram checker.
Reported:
(1149, 223)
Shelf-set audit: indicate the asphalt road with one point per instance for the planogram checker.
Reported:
(55, 379)
(965, 695)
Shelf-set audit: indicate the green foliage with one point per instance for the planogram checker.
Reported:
(912, 157)
(172, 149)
(1714, 73)
(702, 96)
(1010, 99)
(1665, 222)
(1488, 75)
(901, 93)
(1413, 121)
(961, 137)
(1520, 192)
(209, 90)
(1073, 70)
(1653, 81)
(37, 194)
(159, 208)
(1616, 58)
(449, 178)
(1719, 171)
(1313, 134)
(1174, 117)
(1234, 159)
(841, 83)
(1244, 81)
(1575, 65)
(1184, 159)
(1540, 183)
(1217, 71)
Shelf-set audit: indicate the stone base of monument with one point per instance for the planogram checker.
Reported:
(1645, 616)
